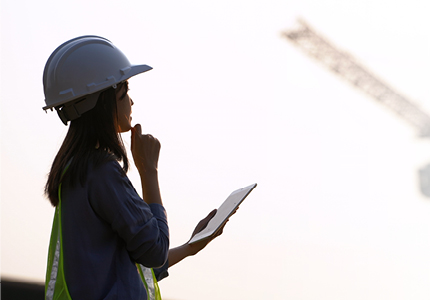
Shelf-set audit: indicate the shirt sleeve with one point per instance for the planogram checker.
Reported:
(162, 272)
(143, 227)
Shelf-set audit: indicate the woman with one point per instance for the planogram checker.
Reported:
(103, 232)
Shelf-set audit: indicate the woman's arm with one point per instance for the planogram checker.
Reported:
(146, 149)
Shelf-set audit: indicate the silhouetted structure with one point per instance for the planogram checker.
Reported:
(16, 290)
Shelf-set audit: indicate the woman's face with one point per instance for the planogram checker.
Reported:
(123, 104)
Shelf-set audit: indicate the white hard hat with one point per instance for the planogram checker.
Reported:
(79, 70)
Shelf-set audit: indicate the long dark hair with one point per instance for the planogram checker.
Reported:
(92, 138)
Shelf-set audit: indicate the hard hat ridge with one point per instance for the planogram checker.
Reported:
(79, 70)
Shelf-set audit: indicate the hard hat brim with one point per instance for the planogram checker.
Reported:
(126, 73)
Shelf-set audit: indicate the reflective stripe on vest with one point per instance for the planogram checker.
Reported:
(54, 272)
(55, 283)
(151, 285)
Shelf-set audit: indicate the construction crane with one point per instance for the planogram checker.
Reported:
(343, 64)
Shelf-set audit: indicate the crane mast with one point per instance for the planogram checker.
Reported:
(345, 66)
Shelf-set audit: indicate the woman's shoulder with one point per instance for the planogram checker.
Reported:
(105, 165)
(108, 175)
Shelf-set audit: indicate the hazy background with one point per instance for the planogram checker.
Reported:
(337, 213)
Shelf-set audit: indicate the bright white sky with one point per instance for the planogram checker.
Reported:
(337, 213)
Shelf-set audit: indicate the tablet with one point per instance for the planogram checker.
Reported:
(223, 213)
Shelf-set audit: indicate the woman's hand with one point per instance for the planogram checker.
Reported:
(179, 253)
(198, 246)
(146, 150)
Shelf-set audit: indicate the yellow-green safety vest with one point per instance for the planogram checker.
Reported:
(55, 283)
